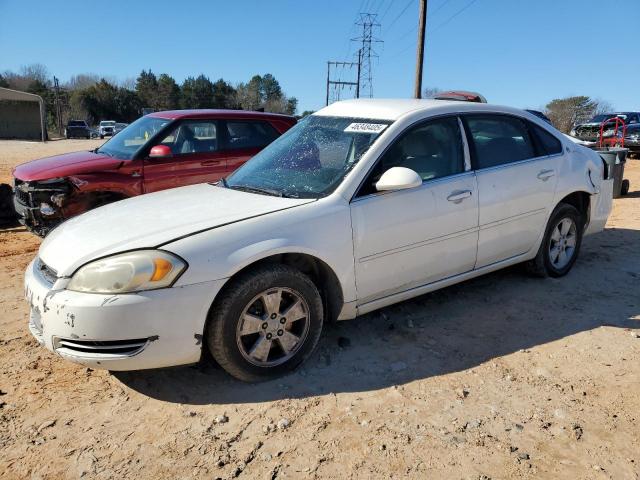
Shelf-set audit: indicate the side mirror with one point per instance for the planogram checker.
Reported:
(160, 151)
(398, 178)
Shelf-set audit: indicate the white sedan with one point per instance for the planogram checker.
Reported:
(361, 205)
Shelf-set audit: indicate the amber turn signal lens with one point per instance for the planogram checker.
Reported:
(162, 268)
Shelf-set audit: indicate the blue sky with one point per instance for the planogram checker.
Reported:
(516, 52)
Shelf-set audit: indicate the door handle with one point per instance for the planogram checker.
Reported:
(210, 162)
(458, 195)
(545, 175)
(136, 174)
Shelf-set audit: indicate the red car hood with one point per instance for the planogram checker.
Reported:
(65, 165)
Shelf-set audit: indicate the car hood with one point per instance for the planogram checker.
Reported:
(151, 220)
(65, 165)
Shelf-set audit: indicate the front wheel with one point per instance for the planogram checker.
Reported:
(561, 243)
(265, 323)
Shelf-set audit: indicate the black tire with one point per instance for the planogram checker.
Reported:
(101, 137)
(226, 312)
(541, 265)
(624, 188)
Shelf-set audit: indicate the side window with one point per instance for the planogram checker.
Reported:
(433, 149)
(499, 139)
(249, 134)
(547, 143)
(193, 137)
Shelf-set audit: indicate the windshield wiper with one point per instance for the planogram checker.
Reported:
(263, 191)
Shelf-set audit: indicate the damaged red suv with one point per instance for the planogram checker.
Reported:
(158, 151)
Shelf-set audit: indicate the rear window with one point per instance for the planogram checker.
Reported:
(499, 139)
(249, 134)
(547, 143)
(77, 123)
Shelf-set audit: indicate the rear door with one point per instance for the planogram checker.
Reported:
(196, 157)
(244, 138)
(516, 183)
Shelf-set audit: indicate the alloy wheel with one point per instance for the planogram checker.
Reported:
(273, 326)
(562, 245)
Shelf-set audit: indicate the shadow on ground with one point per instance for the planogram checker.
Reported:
(453, 329)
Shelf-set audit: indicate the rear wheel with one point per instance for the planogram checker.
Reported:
(561, 243)
(265, 323)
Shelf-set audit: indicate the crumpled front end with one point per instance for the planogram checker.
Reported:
(41, 205)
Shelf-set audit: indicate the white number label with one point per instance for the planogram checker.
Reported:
(365, 128)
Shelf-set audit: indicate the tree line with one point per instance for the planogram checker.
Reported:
(93, 98)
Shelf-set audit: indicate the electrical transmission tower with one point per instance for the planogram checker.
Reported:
(369, 23)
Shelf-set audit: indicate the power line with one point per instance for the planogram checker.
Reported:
(386, 11)
(455, 15)
(400, 14)
(439, 8)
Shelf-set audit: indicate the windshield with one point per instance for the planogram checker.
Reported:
(132, 138)
(310, 160)
(77, 123)
(601, 118)
(107, 124)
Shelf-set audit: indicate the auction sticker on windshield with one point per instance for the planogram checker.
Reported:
(365, 128)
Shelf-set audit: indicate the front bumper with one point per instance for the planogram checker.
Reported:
(152, 329)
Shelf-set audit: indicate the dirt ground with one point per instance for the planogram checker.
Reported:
(504, 376)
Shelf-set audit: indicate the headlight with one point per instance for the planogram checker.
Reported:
(128, 272)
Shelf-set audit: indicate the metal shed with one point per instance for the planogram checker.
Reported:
(22, 115)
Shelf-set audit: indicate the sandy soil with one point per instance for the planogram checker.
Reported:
(504, 376)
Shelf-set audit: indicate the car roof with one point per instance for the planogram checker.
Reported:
(392, 109)
(219, 113)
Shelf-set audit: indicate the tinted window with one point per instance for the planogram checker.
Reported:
(192, 137)
(77, 123)
(499, 140)
(547, 143)
(433, 150)
(248, 134)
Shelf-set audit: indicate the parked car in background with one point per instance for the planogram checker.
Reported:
(361, 205)
(632, 138)
(159, 151)
(590, 131)
(119, 127)
(106, 128)
(77, 129)
(539, 114)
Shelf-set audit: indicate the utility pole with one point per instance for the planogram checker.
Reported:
(339, 84)
(56, 91)
(417, 93)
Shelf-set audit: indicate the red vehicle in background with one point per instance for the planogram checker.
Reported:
(158, 151)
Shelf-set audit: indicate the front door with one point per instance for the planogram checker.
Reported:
(516, 184)
(408, 238)
(196, 157)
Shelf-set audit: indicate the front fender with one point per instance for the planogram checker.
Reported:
(323, 232)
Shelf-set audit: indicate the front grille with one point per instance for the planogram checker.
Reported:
(46, 272)
(21, 196)
(108, 347)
